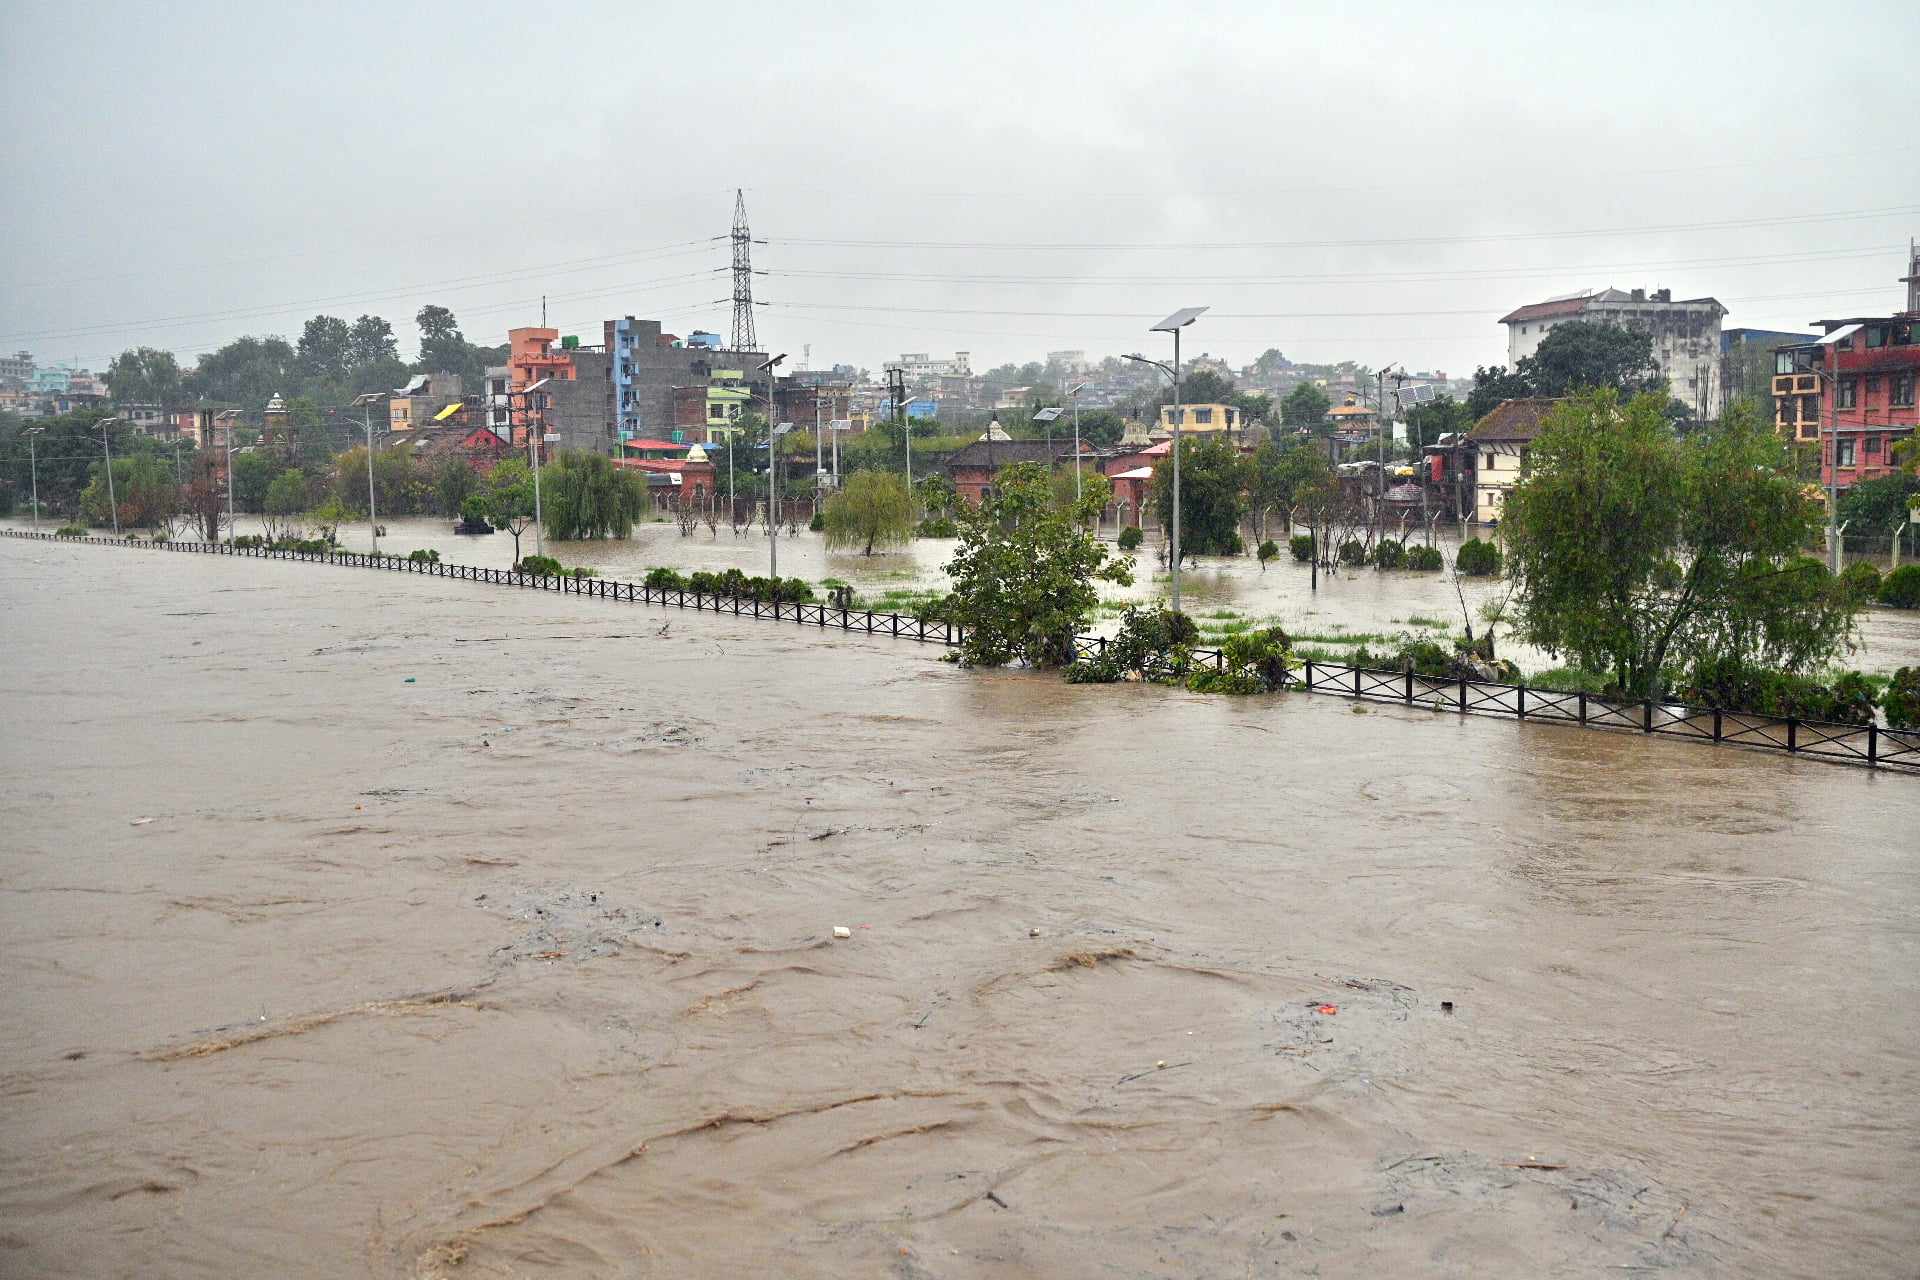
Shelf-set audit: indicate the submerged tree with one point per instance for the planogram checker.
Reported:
(872, 510)
(583, 495)
(1213, 484)
(285, 501)
(509, 499)
(1024, 573)
(1646, 556)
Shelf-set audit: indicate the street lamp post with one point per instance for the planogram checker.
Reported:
(106, 443)
(1073, 394)
(231, 531)
(33, 463)
(1173, 324)
(770, 368)
(774, 437)
(365, 403)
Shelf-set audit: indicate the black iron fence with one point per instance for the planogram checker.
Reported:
(1870, 745)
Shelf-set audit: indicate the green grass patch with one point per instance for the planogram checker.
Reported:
(1436, 623)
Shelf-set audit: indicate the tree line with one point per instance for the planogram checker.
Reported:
(332, 361)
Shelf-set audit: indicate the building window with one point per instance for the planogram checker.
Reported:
(1809, 408)
(1843, 447)
(1902, 389)
(1876, 336)
(1873, 384)
(1849, 392)
(1202, 416)
(1873, 447)
(1488, 464)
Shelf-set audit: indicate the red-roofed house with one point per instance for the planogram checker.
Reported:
(688, 478)
(1499, 444)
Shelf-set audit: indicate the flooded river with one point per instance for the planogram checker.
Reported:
(367, 925)
(1362, 602)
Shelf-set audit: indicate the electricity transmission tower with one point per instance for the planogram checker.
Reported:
(743, 336)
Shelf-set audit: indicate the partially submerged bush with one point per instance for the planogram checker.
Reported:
(1353, 551)
(1901, 588)
(1425, 559)
(1735, 686)
(1301, 546)
(1389, 554)
(1901, 702)
(1861, 580)
(1478, 559)
(1151, 643)
(70, 531)
(1131, 537)
(1250, 662)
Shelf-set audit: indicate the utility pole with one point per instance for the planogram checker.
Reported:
(1179, 412)
(1073, 394)
(819, 457)
(897, 385)
(106, 442)
(1833, 461)
(33, 462)
(231, 530)
(366, 410)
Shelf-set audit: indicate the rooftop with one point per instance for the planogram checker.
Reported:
(1513, 420)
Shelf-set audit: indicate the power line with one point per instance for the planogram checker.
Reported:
(1349, 277)
(1852, 215)
(1246, 315)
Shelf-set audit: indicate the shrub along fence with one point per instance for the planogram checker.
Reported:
(1868, 745)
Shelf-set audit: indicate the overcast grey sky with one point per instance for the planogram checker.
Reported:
(1364, 182)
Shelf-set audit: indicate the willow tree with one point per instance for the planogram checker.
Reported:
(582, 495)
(1648, 556)
(873, 510)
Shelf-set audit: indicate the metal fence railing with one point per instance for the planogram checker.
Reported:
(1873, 746)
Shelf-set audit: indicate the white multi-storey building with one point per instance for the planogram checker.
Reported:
(1686, 334)
(918, 364)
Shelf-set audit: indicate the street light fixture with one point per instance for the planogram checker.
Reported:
(1073, 394)
(365, 403)
(1173, 324)
(770, 368)
(106, 443)
(33, 462)
(773, 509)
(1048, 416)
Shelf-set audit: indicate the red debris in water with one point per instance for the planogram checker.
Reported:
(1328, 1009)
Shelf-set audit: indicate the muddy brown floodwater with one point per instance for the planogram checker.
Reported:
(368, 925)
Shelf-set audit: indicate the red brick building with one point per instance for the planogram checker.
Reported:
(1852, 393)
